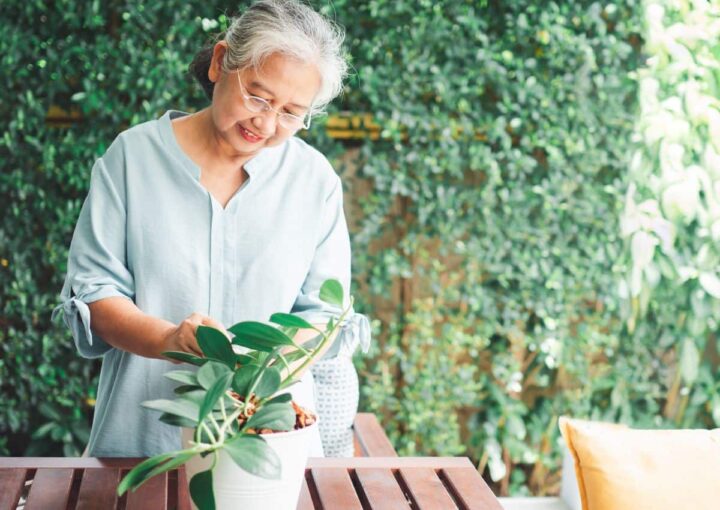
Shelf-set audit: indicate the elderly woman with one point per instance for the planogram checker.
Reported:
(213, 218)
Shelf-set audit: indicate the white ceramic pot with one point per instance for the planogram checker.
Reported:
(235, 488)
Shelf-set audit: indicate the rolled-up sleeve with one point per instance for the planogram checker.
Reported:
(332, 261)
(97, 260)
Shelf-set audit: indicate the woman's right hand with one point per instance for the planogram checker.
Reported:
(182, 338)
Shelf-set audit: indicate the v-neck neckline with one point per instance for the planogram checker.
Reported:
(168, 135)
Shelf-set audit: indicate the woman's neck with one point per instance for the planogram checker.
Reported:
(198, 137)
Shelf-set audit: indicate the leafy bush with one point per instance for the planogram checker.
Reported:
(671, 218)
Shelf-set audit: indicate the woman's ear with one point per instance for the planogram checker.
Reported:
(215, 70)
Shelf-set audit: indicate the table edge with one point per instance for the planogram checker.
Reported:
(313, 462)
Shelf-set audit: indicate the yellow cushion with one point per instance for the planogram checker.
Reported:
(619, 468)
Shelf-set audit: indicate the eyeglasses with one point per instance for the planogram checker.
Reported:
(259, 105)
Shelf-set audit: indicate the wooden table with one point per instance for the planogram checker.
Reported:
(358, 483)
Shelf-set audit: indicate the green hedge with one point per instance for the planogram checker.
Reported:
(488, 248)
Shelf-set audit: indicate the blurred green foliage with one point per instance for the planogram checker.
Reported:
(488, 248)
(671, 218)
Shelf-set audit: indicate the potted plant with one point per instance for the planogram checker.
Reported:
(245, 442)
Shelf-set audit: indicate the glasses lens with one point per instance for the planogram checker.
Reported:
(256, 104)
(290, 121)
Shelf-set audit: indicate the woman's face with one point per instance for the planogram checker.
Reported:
(288, 85)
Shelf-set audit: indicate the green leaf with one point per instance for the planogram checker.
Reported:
(215, 345)
(258, 336)
(182, 376)
(211, 372)
(178, 407)
(194, 397)
(332, 293)
(178, 421)
(185, 388)
(251, 453)
(185, 357)
(176, 461)
(44, 430)
(243, 378)
(290, 321)
(278, 416)
(138, 475)
(243, 359)
(213, 394)
(268, 383)
(280, 399)
(201, 490)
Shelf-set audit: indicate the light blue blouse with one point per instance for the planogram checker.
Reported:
(150, 232)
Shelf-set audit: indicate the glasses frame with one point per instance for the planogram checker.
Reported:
(253, 102)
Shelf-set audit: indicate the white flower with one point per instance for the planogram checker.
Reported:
(697, 104)
(649, 88)
(642, 248)
(671, 160)
(681, 199)
(209, 24)
(711, 283)
(663, 124)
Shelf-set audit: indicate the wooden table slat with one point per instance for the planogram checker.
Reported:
(427, 489)
(371, 436)
(183, 491)
(98, 489)
(152, 495)
(335, 489)
(470, 489)
(381, 489)
(305, 501)
(50, 489)
(12, 482)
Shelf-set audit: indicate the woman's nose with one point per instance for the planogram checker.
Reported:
(266, 123)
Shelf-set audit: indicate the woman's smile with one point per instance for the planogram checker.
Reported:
(249, 135)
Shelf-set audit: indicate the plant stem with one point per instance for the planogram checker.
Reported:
(222, 407)
(215, 424)
(282, 358)
(228, 422)
(310, 356)
(203, 425)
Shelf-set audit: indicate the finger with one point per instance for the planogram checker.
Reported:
(192, 347)
(195, 318)
(209, 321)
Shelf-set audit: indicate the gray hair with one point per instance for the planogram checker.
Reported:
(290, 28)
